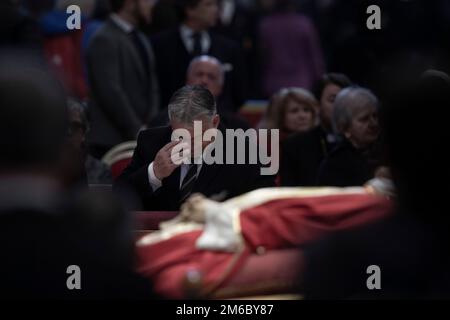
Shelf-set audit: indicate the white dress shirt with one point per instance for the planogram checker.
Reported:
(155, 183)
(186, 35)
(121, 23)
(228, 9)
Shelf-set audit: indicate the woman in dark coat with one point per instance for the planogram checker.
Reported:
(355, 159)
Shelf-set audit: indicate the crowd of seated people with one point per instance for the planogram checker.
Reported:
(139, 71)
(303, 153)
(409, 246)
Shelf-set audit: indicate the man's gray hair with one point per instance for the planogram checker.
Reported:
(210, 59)
(349, 101)
(190, 103)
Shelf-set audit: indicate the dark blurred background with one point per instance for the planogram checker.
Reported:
(273, 61)
(411, 29)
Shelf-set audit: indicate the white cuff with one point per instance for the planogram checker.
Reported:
(155, 183)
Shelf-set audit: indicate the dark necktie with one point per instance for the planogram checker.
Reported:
(197, 48)
(141, 49)
(188, 182)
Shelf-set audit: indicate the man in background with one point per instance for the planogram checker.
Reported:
(120, 66)
(45, 228)
(91, 170)
(174, 50)
(207, 71)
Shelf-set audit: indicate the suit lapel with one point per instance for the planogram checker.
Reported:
(181, 45)
(131, 49)
(184, 57)
(135, 57)
(213, 50)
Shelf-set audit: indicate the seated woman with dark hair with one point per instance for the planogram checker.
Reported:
(357, 156)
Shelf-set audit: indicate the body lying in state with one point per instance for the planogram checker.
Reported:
(217, 238)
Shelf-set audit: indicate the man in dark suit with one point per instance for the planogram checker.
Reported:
(208, 72)
(162, 183)
(174, 50)
(121, 73)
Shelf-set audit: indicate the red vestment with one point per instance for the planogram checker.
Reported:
(273, 225)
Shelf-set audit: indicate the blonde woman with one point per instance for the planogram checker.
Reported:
(291, 110)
